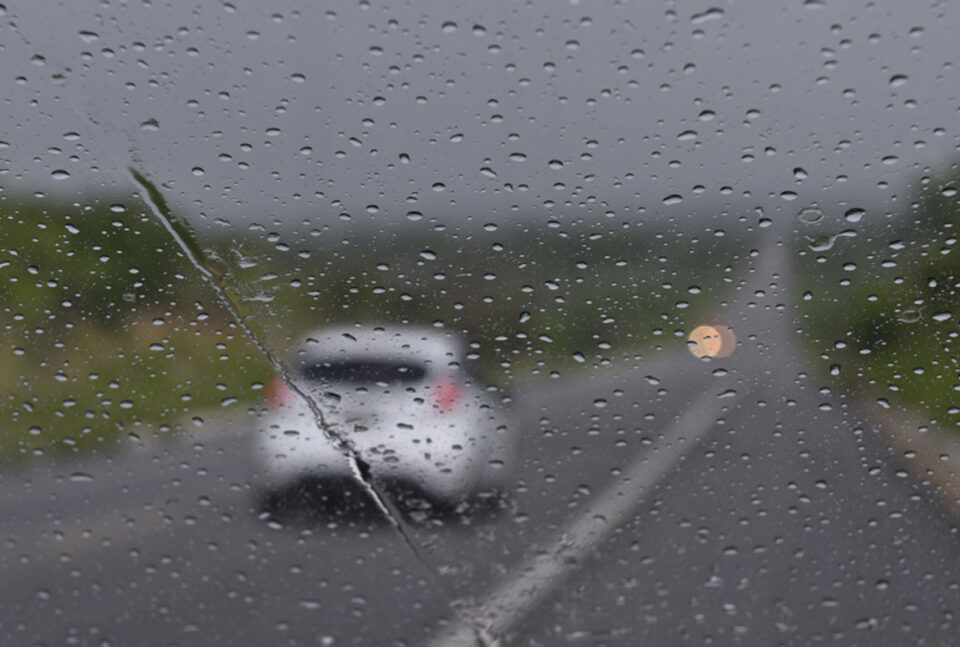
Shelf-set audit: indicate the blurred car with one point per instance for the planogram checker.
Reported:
(397, 403)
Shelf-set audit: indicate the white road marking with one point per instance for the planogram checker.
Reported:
(487, 622)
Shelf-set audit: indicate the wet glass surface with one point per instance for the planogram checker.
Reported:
(430, 324)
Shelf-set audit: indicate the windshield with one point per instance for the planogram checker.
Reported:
(667, 292)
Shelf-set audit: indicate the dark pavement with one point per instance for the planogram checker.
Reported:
(784, 520)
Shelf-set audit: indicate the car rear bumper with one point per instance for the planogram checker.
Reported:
(444, 455)
(441, 474)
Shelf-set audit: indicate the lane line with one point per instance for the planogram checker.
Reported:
(493, 618)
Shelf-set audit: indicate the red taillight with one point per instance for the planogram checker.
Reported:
(444, 395)
(278, 393)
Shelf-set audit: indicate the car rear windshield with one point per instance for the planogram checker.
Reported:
(364, 372)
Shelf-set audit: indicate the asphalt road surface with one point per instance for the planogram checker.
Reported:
(664, 500)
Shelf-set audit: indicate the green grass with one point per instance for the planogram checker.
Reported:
(110, 332)
(90, 387)
(884, 313)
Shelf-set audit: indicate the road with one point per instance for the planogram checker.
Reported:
(772, 515)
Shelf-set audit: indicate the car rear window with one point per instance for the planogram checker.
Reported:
(364, 372)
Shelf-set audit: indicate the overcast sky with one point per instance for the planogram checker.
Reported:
(499, 111)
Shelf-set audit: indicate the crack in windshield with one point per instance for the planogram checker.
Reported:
(213, 275)
(702, 262)
(182, 235)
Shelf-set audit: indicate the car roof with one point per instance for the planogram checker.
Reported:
(418, 344)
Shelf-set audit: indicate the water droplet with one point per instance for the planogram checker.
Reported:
(941, 316)
(59, 174)
(150, 125)
(854, 215)
(555, 164)
(822, 243)
(909, 316)
(810, 214)
(81, 477)
(898, 80)
(518, 157)
(428, 254)
(713, 13)
(674, 198)
(800, 173)
(449, 27)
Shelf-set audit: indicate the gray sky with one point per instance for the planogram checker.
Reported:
(250, 111)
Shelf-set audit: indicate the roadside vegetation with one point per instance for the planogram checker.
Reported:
(111, 334)
(108, 333)
(882, 302)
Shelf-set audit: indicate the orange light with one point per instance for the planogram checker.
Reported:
(712, 341)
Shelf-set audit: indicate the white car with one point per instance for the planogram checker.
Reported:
(402, 401)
